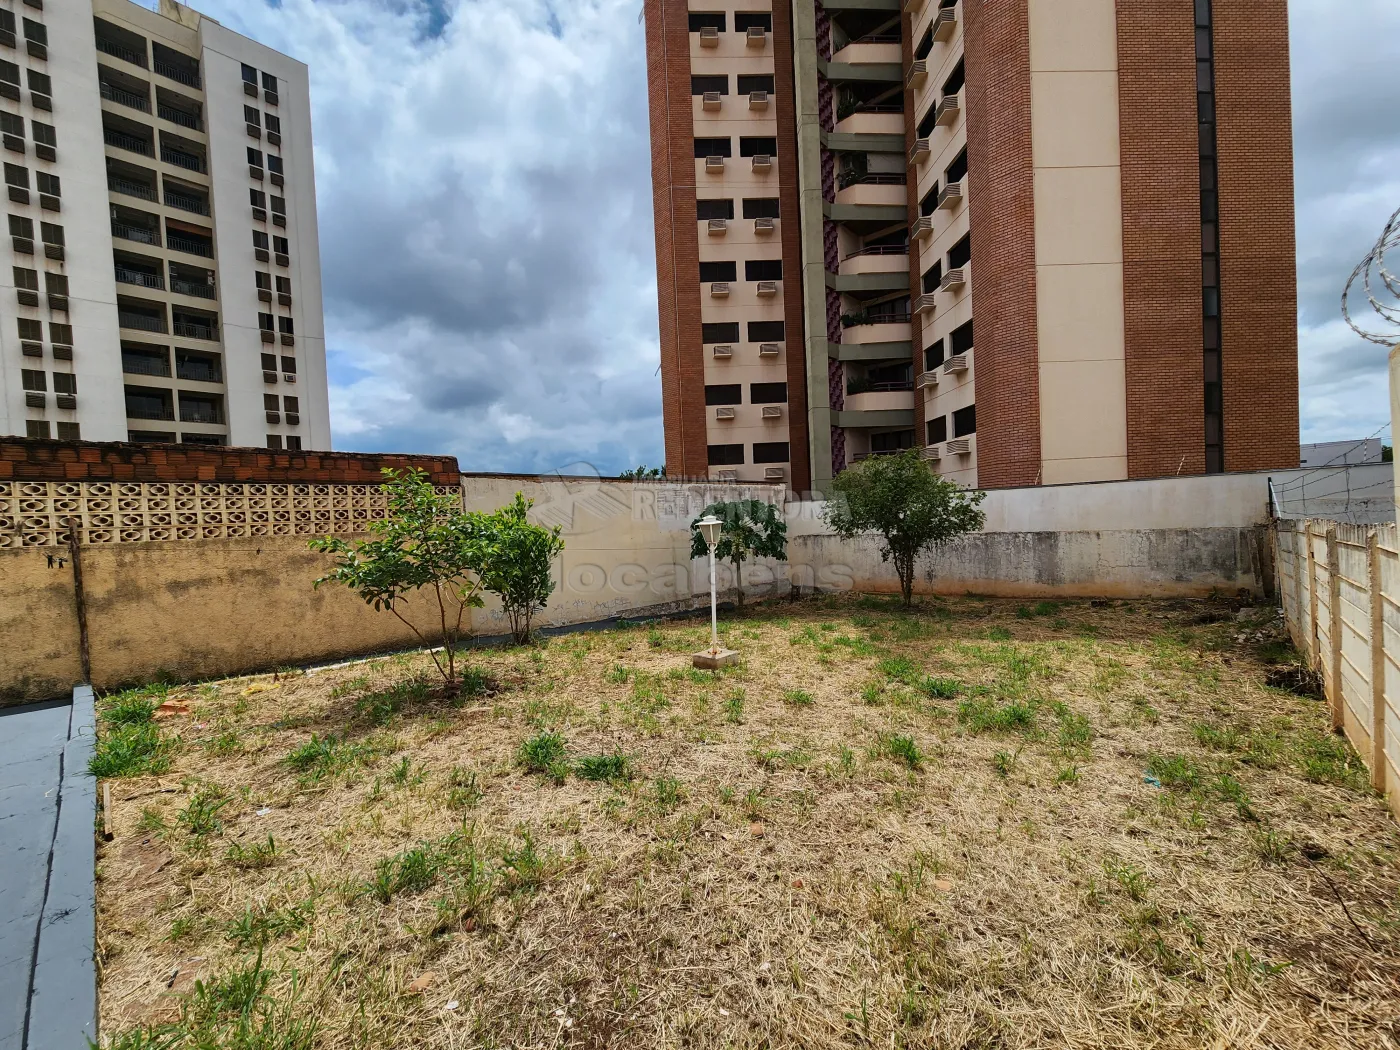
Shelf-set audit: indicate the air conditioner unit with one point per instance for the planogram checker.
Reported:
(767, 289)
(932, 453)
(774, 473)
(26, 298)
(918, 72)
(726, 475)
(757, 37)
(33, 399)
(954, 278)
(762, 162)
(269, 377)
(758, 100)
(928, 379)
(709, 36)
(944, 23)
(926, 303)
(62, 352)
(719, 227)
(947, 112)
(764, 225)
(767, 349)
(66, 400)
(29, 349)
(714, 164)
(719, 290)
(724, 412)
(958, 447)
(920, 151)
(274, 417)
(951, 196)
(923, 226)
(254, 131)
(724, 352)
(289, 377)
(710, 100)
(956, 364)
(772, 411)
(268, 337)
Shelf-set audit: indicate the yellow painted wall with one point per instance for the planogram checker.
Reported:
(38, 625)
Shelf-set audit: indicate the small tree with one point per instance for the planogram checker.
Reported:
(910, 506)
(518, 562)
(752, 529)
(424, 542)
(644, 473)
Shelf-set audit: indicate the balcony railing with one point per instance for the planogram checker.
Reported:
(181, 159)
(131, 187)
(199, 372)
(121, 140)
(881, 249)
(872, 178)
(174, 72)
(116, 50)
(186, 203)
(877, 38)
(185, 286)
(141, 234)
(190, 330)
(122, 97)
(145, 366)
(194, 246)
(145, 280)
(145, 322)
(864, 386)
(179, 116)
(148, 408)
(200, 412)
(851, 320)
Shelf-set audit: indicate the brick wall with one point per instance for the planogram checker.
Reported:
(1002, 201)
(1258, 274)
(1161, 237)
(24, 459)
(677, 247)
(790, 225)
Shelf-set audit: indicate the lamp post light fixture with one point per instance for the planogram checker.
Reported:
(714, 658)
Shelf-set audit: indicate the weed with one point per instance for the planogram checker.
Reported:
(523, 869)
(462, 789)
(846, 759)
(151, 822)
(1067, 775)
(1074, 733)
(899, 669)
(900, 749)
(619, 673)
(325, 756)
(543, 753)
(613, 767)
(985, 715)
(354, 685)
(256, 927)
(999, 634)
(1175, 771)
(200, 817)
(1134, 881)
(225, 744)
(872, 694)
(131, 749)
(133, 707)
(666, 792)
(798, 698)
(181, 928)
(1227, 739)
(1272, 847)
(1329, 759)
(1003, 762)
(940, 688)
(734, 706)
(258, 855)
(411, 871)
(754, 804)
(474, 682)
(399, 772)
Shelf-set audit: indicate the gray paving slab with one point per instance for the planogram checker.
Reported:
(32, 742)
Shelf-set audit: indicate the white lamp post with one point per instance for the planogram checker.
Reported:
(716, 657)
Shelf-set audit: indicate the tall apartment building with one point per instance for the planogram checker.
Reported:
(844, 189)
(164, 280)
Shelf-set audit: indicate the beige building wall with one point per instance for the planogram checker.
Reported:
(1079, 240)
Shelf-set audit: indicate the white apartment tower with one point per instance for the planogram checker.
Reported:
(164, 281)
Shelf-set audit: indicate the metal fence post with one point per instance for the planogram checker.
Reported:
(1378, 763)
(1314, 653)
(1334, 624)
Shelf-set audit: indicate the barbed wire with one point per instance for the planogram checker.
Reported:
(1373, 271)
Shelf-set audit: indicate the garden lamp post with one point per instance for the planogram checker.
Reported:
(715, 657)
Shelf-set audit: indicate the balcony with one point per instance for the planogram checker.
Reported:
(124, 140)
(887, 194)
(121, 43)
(131, 187)
(127, 231)
(201, 287)
(874, 120)
(195, 328)
(198, 368)
(148, 404)
(141, 321)
(182, 159)
(201, 409)
(859, 176)
(141, 362)
(123, 96)
(179, 116)
(176, 66)
(861, 329)
(186, 202)
(879, 258)
(869, 50)
(191, 244)
(140, 278)
(880, 397)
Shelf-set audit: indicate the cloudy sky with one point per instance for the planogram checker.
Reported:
(484, 191)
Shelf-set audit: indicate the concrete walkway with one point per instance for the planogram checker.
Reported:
(48, 995)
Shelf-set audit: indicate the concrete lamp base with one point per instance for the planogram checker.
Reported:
(708, 661)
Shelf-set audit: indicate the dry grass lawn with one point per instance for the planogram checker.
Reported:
(977, 824)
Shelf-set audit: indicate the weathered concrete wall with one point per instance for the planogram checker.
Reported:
(38, 625)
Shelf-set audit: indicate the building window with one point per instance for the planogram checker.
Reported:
(928, 122)
(21, 227)
(55, 283)
(274, 441)
(269, 362)
(69, 432)
(748, 83)
(284, 325)
(956, 171)
(257, 198)
(36, 428)
(720, 332)
(713, 147)
(765, 331)
(746, 20)
(65, 383)
(17, 175)
(925, 44)
(289, 365)
(933, 277)
(291, 404)
(961, 338)
(36, 31)
(763, 270)
(279, 245)
(255, 157)
(44, 134)
(27, 279)
(892, 441)
(767, 393)
(933, 355)
(48, 184)
(710, 82)
(273, 123)
(707, 209)
(725, 455)
(30, 329)
(262, 280)
(758, 146)
(150, 436)
(201, 408)
(33, 379)
(771, 452)
(965, 421)
(61, 333)
(718, 271)
(1211, 367)
(960, 254)
(252, 115)
(270, 403)
(250, 75)
(723, 393)
(293, 443)
(956, 79)
(9, 73)
(706, 20)
(274, 164)
(269, 82)
(39, 82)
(760, 207)
(929, 204)
(265, 322)
(936, 430)
(284, 285)
(260, 240)
(279, 205)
